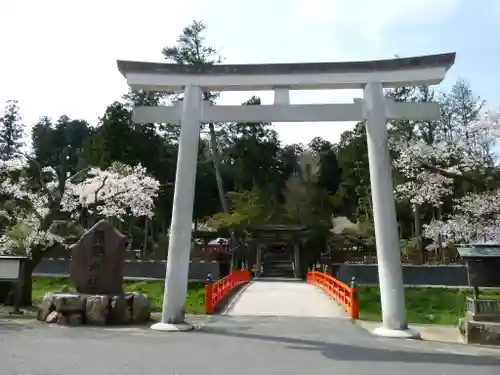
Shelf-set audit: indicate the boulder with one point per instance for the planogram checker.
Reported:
(45, 307)
(75, 319)
(62, 319)
(97, 309)
(141, 307)
(120, 311)
(52, 317)
(68, 302)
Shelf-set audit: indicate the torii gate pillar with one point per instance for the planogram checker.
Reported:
(390, 273)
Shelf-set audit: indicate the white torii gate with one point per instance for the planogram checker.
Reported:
(371, 76)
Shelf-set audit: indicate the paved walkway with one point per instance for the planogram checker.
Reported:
(303, 331)
(284, 298)
(232, 344)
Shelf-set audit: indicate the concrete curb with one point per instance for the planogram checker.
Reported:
(428, 332)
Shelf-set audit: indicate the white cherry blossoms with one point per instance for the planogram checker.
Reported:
(28, 210)
(432, 170)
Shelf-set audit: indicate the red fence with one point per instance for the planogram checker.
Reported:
(214, 293)
(346, 296)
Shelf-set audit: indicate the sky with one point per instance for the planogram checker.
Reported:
(59, 57)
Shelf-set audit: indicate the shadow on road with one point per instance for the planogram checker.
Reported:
(346, 352)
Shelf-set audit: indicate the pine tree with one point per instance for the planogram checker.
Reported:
(11, 131)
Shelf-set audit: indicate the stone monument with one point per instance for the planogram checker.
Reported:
(97, 260)
(97, 271)
(481, 325)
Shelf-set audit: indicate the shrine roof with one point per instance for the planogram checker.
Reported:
(277, 228)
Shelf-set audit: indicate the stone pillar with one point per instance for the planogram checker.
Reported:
(176, 278)
(394, 323)
(296, 259)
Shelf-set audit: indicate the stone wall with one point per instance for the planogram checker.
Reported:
(135, 269)
(367, 274)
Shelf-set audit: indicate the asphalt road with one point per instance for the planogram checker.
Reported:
(228, 345)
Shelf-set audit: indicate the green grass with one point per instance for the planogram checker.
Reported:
(423, 305)
(195, 303)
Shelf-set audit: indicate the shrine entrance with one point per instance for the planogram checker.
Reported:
(277, 250)
(370, 77)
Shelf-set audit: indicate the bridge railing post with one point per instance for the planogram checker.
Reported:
(209, 308)
(354, 291)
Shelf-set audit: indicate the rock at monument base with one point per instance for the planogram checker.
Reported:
(483, 333)
(97, 310)
(52, 317)
(45, 307)
(75, 319)
(120, 311)
(76, 309)
(140, 306)
(62, 320)
(68, 302)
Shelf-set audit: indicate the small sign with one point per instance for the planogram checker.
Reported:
(10, 267)
(479, 251)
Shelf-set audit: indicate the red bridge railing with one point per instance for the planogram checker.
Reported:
(347, 296)
(215, 292)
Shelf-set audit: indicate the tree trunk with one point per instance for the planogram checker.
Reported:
(26, 295)
(440, 238)
(220, 184)
(25, 298)
(130, 228)
(418, 231)
(145, 246)
(27, 287)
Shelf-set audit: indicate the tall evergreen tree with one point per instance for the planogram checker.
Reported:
(11, 131)
(191, 49)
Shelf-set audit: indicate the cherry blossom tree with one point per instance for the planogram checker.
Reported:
(475, 219)
(32, 215)
(117, 192)
(433, 170)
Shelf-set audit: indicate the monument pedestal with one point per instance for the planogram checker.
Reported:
(68, 308)
(94, 309)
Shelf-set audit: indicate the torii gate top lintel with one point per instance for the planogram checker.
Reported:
(421, 70)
